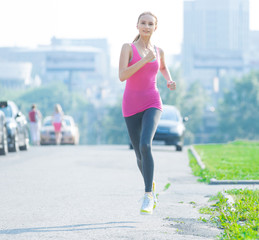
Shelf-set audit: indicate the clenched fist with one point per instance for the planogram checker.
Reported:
(151, 55)
(171, 85)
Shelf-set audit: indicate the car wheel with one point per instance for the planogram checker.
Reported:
(179, 148)
(15, 147)
(4, 150)
(25, 147)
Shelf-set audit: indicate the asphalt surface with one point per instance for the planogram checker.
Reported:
(95, 192)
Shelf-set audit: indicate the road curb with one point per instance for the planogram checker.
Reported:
(214, 181)
(197, 157)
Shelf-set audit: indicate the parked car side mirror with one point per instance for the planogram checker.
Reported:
(19, 114)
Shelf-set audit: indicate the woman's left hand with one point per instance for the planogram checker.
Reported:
(171, 85)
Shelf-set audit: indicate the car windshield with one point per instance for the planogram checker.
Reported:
(7, 111)
(170, 114)
(65, 122)
(48, 123)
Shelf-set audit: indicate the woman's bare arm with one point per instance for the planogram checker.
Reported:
(165, 71)
(124, 71)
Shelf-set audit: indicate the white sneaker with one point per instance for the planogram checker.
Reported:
(148, 204)
(154, 194)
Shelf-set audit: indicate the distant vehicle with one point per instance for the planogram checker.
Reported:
(171, 127)
(16, 125)
(69, 130)
(3, 135)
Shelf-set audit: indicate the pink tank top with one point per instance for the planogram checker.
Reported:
(141, 90)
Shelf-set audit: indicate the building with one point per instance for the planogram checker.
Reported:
(215, 50)
(82, 64)
(253, 54)
(15, 75)
(215, 41)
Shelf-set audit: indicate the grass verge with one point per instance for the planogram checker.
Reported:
(239, 221)
(237, 160)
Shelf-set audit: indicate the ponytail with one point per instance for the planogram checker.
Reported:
(136, 38)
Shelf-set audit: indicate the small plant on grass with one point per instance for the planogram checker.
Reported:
(239, 221)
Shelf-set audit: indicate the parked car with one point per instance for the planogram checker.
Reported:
(16, 126)
(171, 127)
(69, 131)
(3, 135)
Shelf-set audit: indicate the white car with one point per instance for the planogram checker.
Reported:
(69, 131)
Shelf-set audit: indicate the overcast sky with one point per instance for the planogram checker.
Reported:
(33, 22)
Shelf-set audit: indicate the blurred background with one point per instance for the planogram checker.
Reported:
(67, 52)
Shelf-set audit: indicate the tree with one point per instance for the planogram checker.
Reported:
(238, 112)
(114, 126)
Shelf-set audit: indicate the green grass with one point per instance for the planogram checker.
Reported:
(167, 186)
(238, 160)
(239, 221)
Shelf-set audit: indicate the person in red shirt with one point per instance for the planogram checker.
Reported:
(35, 124)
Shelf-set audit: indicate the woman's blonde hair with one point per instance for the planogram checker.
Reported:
(58, 108)
(142, 14)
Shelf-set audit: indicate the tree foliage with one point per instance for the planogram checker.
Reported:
(238, 111)
(114, 125)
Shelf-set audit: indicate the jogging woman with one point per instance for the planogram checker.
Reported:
(141, 105)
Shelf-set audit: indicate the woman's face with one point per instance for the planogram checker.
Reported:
(146, 25)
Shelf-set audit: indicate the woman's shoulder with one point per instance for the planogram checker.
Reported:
(127, 50)
(127, 46)
(160, 50)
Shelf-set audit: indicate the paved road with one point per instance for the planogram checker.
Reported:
(94, 192)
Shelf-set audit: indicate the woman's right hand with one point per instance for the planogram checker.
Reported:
(126, 71)
(151, 55)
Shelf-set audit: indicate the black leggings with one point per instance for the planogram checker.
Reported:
(142, 127)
